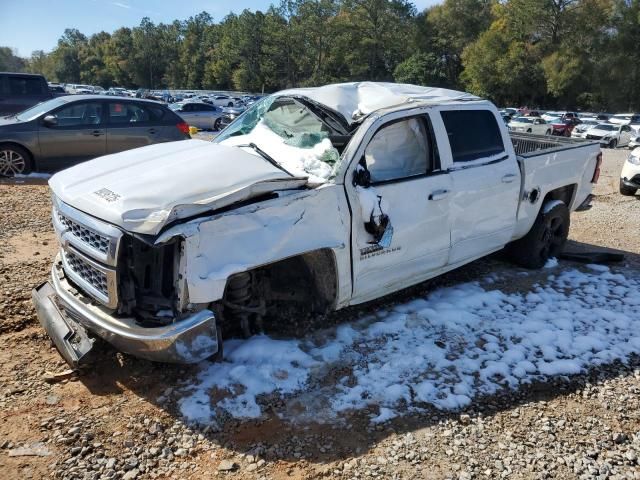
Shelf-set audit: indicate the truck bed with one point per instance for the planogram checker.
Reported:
(529, 145)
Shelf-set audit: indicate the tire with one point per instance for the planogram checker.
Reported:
(545, 240)
(627, 191)
(216, 124)
(528, 130)
(14, 160)
(548, 132)
(230, 104)
(613, 143)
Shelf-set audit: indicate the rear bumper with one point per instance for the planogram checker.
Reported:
(188, 340)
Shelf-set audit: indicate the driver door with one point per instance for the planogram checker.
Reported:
(408, 185)
(77, 135)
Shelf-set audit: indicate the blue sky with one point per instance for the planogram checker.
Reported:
(28, 25)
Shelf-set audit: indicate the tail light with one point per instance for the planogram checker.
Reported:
(183, 127)
(596, 172)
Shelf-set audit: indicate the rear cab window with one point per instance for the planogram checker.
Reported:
(473, 135)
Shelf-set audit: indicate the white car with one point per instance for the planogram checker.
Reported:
(635, 141)
(332, 214)
(625, 118)
(579, 131)
(610, 135)
(535, 125)
(630, 175)
(223, 100)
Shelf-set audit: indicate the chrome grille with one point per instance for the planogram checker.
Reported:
(88, 273)
(98, 240)
(84, 234)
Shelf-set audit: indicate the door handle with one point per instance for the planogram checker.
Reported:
(97, 133)
(509, 178)
(439, 195)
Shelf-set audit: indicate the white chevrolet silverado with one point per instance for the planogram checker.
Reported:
(313, 200)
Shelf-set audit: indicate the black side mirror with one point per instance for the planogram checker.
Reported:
(50, 120)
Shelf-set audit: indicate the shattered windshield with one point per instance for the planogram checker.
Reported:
(289, 132)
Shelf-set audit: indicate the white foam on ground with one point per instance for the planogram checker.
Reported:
(443, 350)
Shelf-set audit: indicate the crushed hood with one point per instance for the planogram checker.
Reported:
(144, 189)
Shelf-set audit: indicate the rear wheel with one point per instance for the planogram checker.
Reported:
(230, 104)
(627, 191)
(217, 124)
(545, 240)
(613, 143)
(14, 160)
(548, 132)
(528, 130)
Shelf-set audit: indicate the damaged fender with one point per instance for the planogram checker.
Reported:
(219, 246)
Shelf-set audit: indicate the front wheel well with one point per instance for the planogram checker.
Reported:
(16, 144)
(287, 290)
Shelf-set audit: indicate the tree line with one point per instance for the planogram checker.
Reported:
(552, 53)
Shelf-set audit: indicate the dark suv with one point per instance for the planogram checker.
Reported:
(19, 91)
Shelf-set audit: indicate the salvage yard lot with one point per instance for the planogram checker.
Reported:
(487, 372)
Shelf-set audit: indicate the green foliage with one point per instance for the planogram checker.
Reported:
(551, 53)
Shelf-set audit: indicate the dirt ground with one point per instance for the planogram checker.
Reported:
(108, 420)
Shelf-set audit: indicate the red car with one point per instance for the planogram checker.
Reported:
(563, 127)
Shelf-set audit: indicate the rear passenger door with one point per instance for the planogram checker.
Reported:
(486, 183)
(131, 125)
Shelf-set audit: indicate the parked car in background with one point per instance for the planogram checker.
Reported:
(223, 100)
(117, 92)
(229, 114)
(57, 90)
(635, 141)
(625, 118)
(530, 125)
(198, 114)
(67, 130)
(563, 127)
(19, 91)
(630, 175)
(587, 123)
(610, 135)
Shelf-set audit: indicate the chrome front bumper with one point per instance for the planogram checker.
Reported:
(188, 340)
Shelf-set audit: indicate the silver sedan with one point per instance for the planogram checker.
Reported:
(198, 114)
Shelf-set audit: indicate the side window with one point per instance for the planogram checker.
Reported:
(187, 107)
(399, 150)
(208, 108)
(79, 115)
(25, 86)
(473, 134)
(127, 114)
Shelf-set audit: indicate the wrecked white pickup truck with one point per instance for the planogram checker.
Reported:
(312, 200)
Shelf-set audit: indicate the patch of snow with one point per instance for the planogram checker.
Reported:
(444, 350)
(551, 263)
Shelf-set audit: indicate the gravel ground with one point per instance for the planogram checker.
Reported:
(117, 418)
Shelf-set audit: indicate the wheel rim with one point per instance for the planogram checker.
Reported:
(552, 238)
(11, 163)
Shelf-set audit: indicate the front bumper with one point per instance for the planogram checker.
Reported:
(71, 318)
